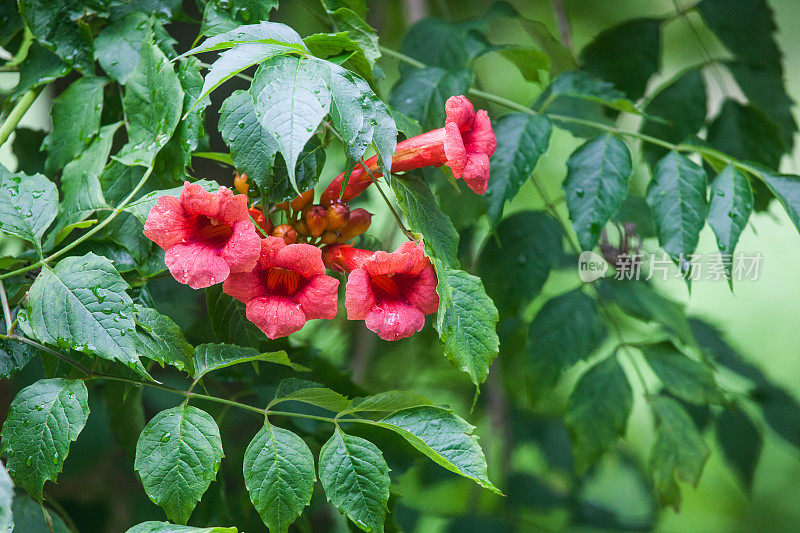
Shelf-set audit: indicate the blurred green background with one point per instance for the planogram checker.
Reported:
(760, 317)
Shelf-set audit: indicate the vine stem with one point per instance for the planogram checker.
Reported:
(6, 309)
(86, 235)
(19, 110)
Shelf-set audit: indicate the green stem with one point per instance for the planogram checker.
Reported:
(22, 52)
(19, 110)
(6, 310)
(89, 233)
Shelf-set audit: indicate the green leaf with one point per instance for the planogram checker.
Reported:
(561, 58)
(166, 527)
(424, 216)
(682, 104)
(160, 339)
(42, 421)
(596, 185)
(141, 208)
(80, 185)
(28, 205)
(443, 437)
(118, 46)
(421, 93)
(229, 320)
(153, 103)
(221, 16)
(741, 442)
(237, 59)
(466, 322)
(677, 197)
(76, 120)
(530, 61)
(744, 132)
(679, 452)
(566, 329)
(521, 141)
(59, 28)
(442, 44)
(311, 393)
(388, 402)
(264, 32)
(279, 475)
(686, 378)
(357, 29)
(786, 188)
(6, 497)
(356, 479)
(30, 517)
(82, 304)
(177, 457)
(291, 99)
(331, 45)
(729, 209)
(14, 355)
(530, 246)
(626, 55)
(577, 92)
(641, 300)
(598, 412)
(211, 357)
(39, 68)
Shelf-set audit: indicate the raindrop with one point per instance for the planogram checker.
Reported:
(165, 437)
(580, 192)
(29, 461)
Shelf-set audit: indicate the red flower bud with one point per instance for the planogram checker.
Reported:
(338, 216)
(302, 228)
(303, 200)
(358, 223)
(286, 232)
(317, 219)
(328, 237)
(261, 220)
(240, 182)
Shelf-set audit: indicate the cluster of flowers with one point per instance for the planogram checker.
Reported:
(281, 277)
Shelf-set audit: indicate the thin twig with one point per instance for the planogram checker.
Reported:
(23, 104)
(6, 310)
(563, 23)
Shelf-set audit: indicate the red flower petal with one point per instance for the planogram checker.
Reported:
(166, 222)
(459, 111)
(276, 317)
(358, 299)
(244, 286)
(422, 294)
(319, 297)
(196, 264)
(394, 320)
(304, 259)
(243, 248)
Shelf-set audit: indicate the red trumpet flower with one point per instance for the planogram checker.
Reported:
(206, 235)
(464, 144)
(287, 287)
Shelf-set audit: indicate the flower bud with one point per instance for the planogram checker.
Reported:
(358, 223)
(338, 215)
(286, 232)
(283, 206)
(261, 220)
(303, 200)
(302, 228)
(328, 237)
(317, 219)
(240, 182)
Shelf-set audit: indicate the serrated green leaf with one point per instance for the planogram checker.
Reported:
(57, 27)
(160, 339)
(579, 86)
(679, 451)
(329, 45)
(443, 437)
(82, 304)
(279, 475)
(221, 16)
(346, 19)
(14, 355)
(153, 104)
(421, 93)
(264, 32)
(229, 320)
(741, 442)
(530, 246)
(310, 393)
(450, 46)
(466, 322)
(424, 216)
(291, 98)
(744, 132)
(596, 185)
(598, 412)
(211, 357)
(682, 104)
(355, 477)
(729, 209)
(686, 378)
(677, 197)
(786, 188)
(566, 329)
(28, 205)
(39, 68)
(118, 46)
(76, 120)
(626, 55)
(166, 527)
(177, 457)
(388, 402)
(29, 516)
(141, 208)
(530, 61)
(42, 421)
(6, 497)
(521, 141)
